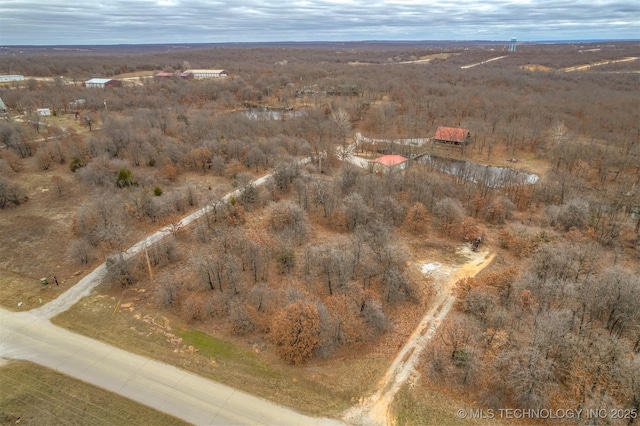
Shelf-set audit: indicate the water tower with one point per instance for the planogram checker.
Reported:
(512, 45)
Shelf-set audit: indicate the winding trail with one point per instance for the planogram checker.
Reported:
(374, 409)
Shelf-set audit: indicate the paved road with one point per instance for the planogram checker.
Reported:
(152, 383)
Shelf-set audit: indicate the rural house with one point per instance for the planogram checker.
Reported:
(452, 136)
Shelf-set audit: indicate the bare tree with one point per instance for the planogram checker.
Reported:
(342, 124)
(528, 375)
(11, 194)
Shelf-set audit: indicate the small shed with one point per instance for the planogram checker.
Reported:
(388, 163)
(44, 112)
(452, 136)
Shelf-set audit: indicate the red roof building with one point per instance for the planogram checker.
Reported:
(389, 162)
(452, 136)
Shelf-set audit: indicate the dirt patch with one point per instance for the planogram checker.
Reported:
(34, 240)
(536, 67)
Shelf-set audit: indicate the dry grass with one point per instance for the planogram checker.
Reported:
(136, 74)
(438, 56)
(34, 238)
(34, 395)
(419, 405)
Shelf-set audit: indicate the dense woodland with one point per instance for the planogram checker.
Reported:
(315, 260)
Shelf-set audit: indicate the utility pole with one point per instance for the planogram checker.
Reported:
(146, 255)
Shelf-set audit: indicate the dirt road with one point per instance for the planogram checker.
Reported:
(374, 410)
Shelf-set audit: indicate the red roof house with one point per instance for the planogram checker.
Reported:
(389, 162)
(452, 136)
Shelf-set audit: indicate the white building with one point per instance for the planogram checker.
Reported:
(206, 73)
(13, 77)
(43, 112)
(101, 82)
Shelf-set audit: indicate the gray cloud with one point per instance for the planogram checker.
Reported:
(193, 21)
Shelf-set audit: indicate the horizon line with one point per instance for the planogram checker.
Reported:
(532, 41)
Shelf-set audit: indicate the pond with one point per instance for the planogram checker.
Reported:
(489, 176)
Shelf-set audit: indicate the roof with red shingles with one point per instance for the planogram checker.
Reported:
(390, 160)
(452, 134)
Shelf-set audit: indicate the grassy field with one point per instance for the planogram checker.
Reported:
(34, 395)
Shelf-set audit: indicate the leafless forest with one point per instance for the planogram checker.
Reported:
(319, 261)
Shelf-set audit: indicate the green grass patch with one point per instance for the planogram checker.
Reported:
(224, 352)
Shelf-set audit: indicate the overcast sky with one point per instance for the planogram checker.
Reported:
(47, 22)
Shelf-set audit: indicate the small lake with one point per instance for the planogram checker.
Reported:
(490, 176)
(254, 113)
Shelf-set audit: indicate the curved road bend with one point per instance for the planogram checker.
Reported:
(160, 386)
